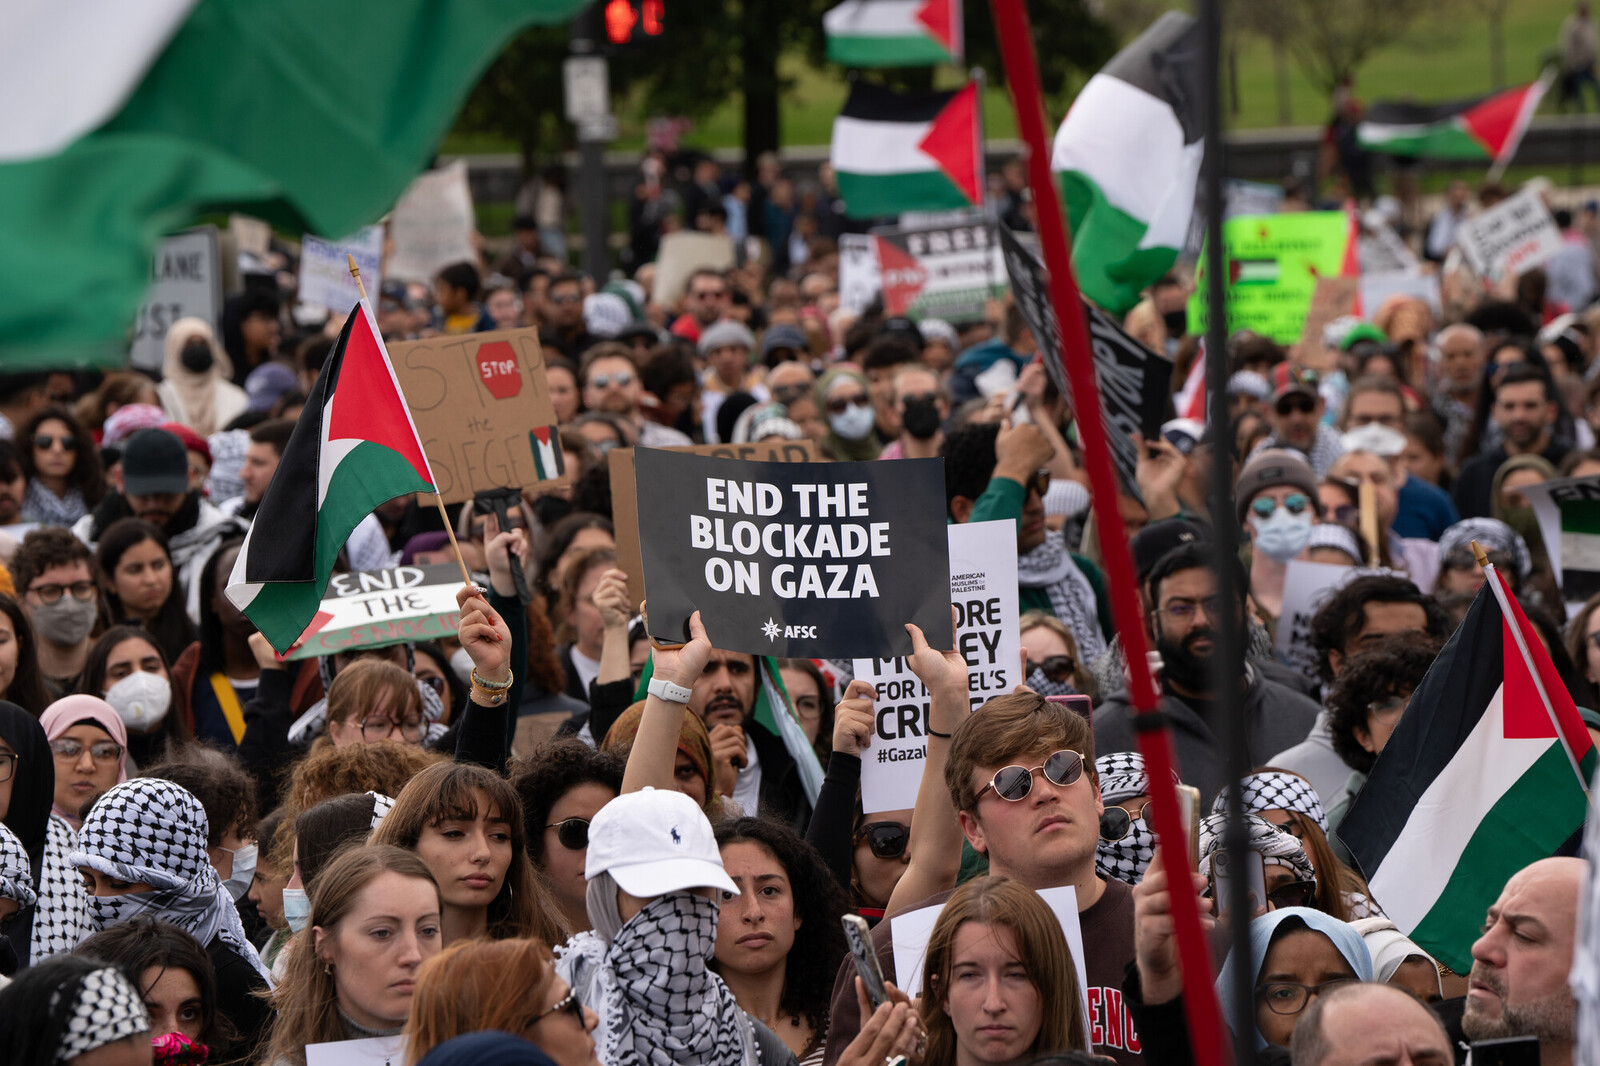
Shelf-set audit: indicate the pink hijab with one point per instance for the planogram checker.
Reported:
(67, 712)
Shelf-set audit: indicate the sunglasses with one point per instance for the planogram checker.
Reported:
(1293, 894)
(1294, 503)
(921, 397)
(888, 840)
(621, 377)
(839, 404)
(569, 1003)
(789, 393)
(573, 833)
(1013, 783)
(1461, 559)
(44, 442)
(1300, 405)
(1117, 821)
(1038, 483)
(1057, 668)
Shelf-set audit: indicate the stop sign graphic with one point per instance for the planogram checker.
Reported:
(497, 366)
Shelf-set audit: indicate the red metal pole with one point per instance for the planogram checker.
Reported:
(1022, 75)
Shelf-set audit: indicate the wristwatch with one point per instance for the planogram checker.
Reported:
(661, 688)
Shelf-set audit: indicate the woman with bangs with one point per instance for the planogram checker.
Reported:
(465, 823)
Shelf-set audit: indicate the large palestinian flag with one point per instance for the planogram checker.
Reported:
(895, 152)
(354, 448)
(1486, 128)
(128, 121)
(1475, 782)
(1128, 157)
(894, 33)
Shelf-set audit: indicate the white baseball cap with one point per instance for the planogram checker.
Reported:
(655, 841)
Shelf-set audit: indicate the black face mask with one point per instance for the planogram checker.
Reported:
(921, 419)
(1183, 667)
(1177, 322)
(551, 509)
(9, 963)
(197, 357)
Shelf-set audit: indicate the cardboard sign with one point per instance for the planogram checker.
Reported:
(983, 587)
(949, 270)
(1331, 298)
(373, 608)
(624, 510)
(1514, 236)
(1274, 262)
(1306, 586)
(808, 560)
(913, 929)
(325, 271)
(185, 282)
(1568, 510)
(681, 254)
(433, 224)
(859, 277)
(483, 410)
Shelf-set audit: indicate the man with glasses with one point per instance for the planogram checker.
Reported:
(562, 308)
(705, 299)
(1185, 612)
(611, 383)
(55, 580)
(921, 406)
(1296, 418)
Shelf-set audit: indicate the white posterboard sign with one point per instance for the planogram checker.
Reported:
(433, 224)
(185, 282)
(911, 931)
(681, 254)
(983, 587)
(1567, 509)
(1306, 586)
(373, 1051)
(860, 277)
(325, 271)
(1515, 235)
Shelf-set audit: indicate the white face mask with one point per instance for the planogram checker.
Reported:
(855, 423)
(461, 663)
(244, 871)
(296, 909)
(141, 700)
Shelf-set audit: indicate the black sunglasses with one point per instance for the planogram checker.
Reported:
(1298, 404)
(44, 441)
(887, 840)
(1293, 894)
(573, 833)
(1115, 822)
(569, 1003)
(1057, 668)
(1013, 783)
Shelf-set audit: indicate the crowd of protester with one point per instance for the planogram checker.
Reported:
(211, 854)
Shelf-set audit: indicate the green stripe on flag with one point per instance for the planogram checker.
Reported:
(867, 50)
(1580, 516)
(1111, 268)
(890, 194)
(1442, 140)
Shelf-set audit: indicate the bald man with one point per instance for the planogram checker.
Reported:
(1367, 1024)
(1518, 984)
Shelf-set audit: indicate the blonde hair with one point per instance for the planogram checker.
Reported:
(1082, 679)
(477, 985)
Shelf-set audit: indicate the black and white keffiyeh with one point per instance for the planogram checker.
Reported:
(1122, 776)
(1072, 599)
(153, 831)
(105, 1008)
(41, 505)
(1277, 790)
(381, 805)
(61, 919)
(16, 873)
(1266, 840)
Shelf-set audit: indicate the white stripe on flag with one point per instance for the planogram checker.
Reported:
(862, 147)
(238, 588)
(547, 456)
(1423, 857)
(875, 18)
(1580, 551)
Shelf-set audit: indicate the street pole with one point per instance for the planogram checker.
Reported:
(595, 131)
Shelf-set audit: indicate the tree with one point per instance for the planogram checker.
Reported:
(520, 96)
(1330, 39)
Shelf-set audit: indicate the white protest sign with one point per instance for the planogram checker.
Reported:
(860, 277)
(373, 1051)
(1305, 587)
(911, 931)
(185, 282)
(983, 586)
(325, 272)
(1568, 510)
(681, 254)
(1515, 235)
(433, 224)
(376, 607)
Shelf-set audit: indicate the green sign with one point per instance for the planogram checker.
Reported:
(1274, 262)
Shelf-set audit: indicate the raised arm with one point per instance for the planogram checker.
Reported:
(655, 748)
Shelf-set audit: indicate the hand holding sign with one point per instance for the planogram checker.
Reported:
(942, 673)
(484, 635)
(500, 548)
(682, 663)
(852, 719)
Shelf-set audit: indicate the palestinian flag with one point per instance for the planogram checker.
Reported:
(354, 448)
(895, 152)
(1128, 157)
(894, 33)
(1486, 128)
(1580, 549)
(133, 120)
(1475, 782)
(548, 461)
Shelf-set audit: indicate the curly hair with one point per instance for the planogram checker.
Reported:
(1338, 620)
(44, 548)
(819, 904)
(222, 786)
(969, 460)
(328, 771)
(1395, 669)
(549, 772)
(87, 475)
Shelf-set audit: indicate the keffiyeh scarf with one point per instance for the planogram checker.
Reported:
(104, 1008)
(1266, 840)
(1072, 599)
(16, 873)
(1122, 776)
(1277, 790)
(41, 505)
(61, 920)
(154, 831)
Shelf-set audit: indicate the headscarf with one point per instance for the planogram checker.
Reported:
(67, 712)
(33, 782)
(128, 420)
(1389, 947)
(105, 1008)
(155, 831)
(1265, 839)
(1122, 776)
(486, 1049)
(16, 884)
(196, 393)
(1522, 518)
(1276, 790)
(693, 740)
(845, 450)
(1266, 928)
(1492, 535)
(56, 924)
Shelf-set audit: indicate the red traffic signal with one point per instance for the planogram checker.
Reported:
(628, 19)
(620, 20)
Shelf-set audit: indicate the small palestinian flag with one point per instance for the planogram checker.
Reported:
(547, 457)
(1128, 157)
(894, 33)
(895, 152)
(1580, 549)
(1487, 128)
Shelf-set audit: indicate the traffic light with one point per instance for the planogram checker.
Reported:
(633, 20)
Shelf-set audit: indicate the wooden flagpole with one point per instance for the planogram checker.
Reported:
(466, 576)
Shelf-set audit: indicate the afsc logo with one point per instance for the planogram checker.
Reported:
(772, 631)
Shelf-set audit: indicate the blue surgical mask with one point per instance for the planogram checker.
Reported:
(855, 423)
(244, 871)
(1282, 536)
(296, 909)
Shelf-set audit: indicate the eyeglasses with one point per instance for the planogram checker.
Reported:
(44, 442)
(66, 749)
(1294, 503)
(570, 1003)
(573, 833)
(1184, 610)
(81, 590)
(375, 729)
(1118, 820)
(710, 294)
(565, 298)
(623, 378)
(1392, 421)
(1297, 404)
(921, 397)
(8, 764)
(1057, 668)
(787, 394)
(839, 404)
(1293, 894)
(1038, 484)
(1461, 559)
(1013, 783)
(1389, 708)
(1291, 997)
(888, 840)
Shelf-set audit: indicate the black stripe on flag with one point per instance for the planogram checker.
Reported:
(874, 103)
(1399, 113)
(1578, 585)
(1164, 61)
(1444, 710)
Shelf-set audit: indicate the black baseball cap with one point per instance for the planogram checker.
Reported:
(154, 463)
(1158, 538)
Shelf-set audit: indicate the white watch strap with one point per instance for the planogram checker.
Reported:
(666, 690)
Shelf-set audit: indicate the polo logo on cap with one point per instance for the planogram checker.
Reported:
(676, 839)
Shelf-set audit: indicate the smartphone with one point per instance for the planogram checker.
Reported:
(1222, 881)
(1083, 706)
(859, 937)
(1189, 811)
(1508, 1051)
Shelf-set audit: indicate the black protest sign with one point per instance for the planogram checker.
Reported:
(809, 560)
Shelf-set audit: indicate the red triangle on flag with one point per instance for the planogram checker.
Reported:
(542, 433)
(903, 277)
(367, 404)
(939, 17)
(952, 142)
(1494, 121)
(1525, 714)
